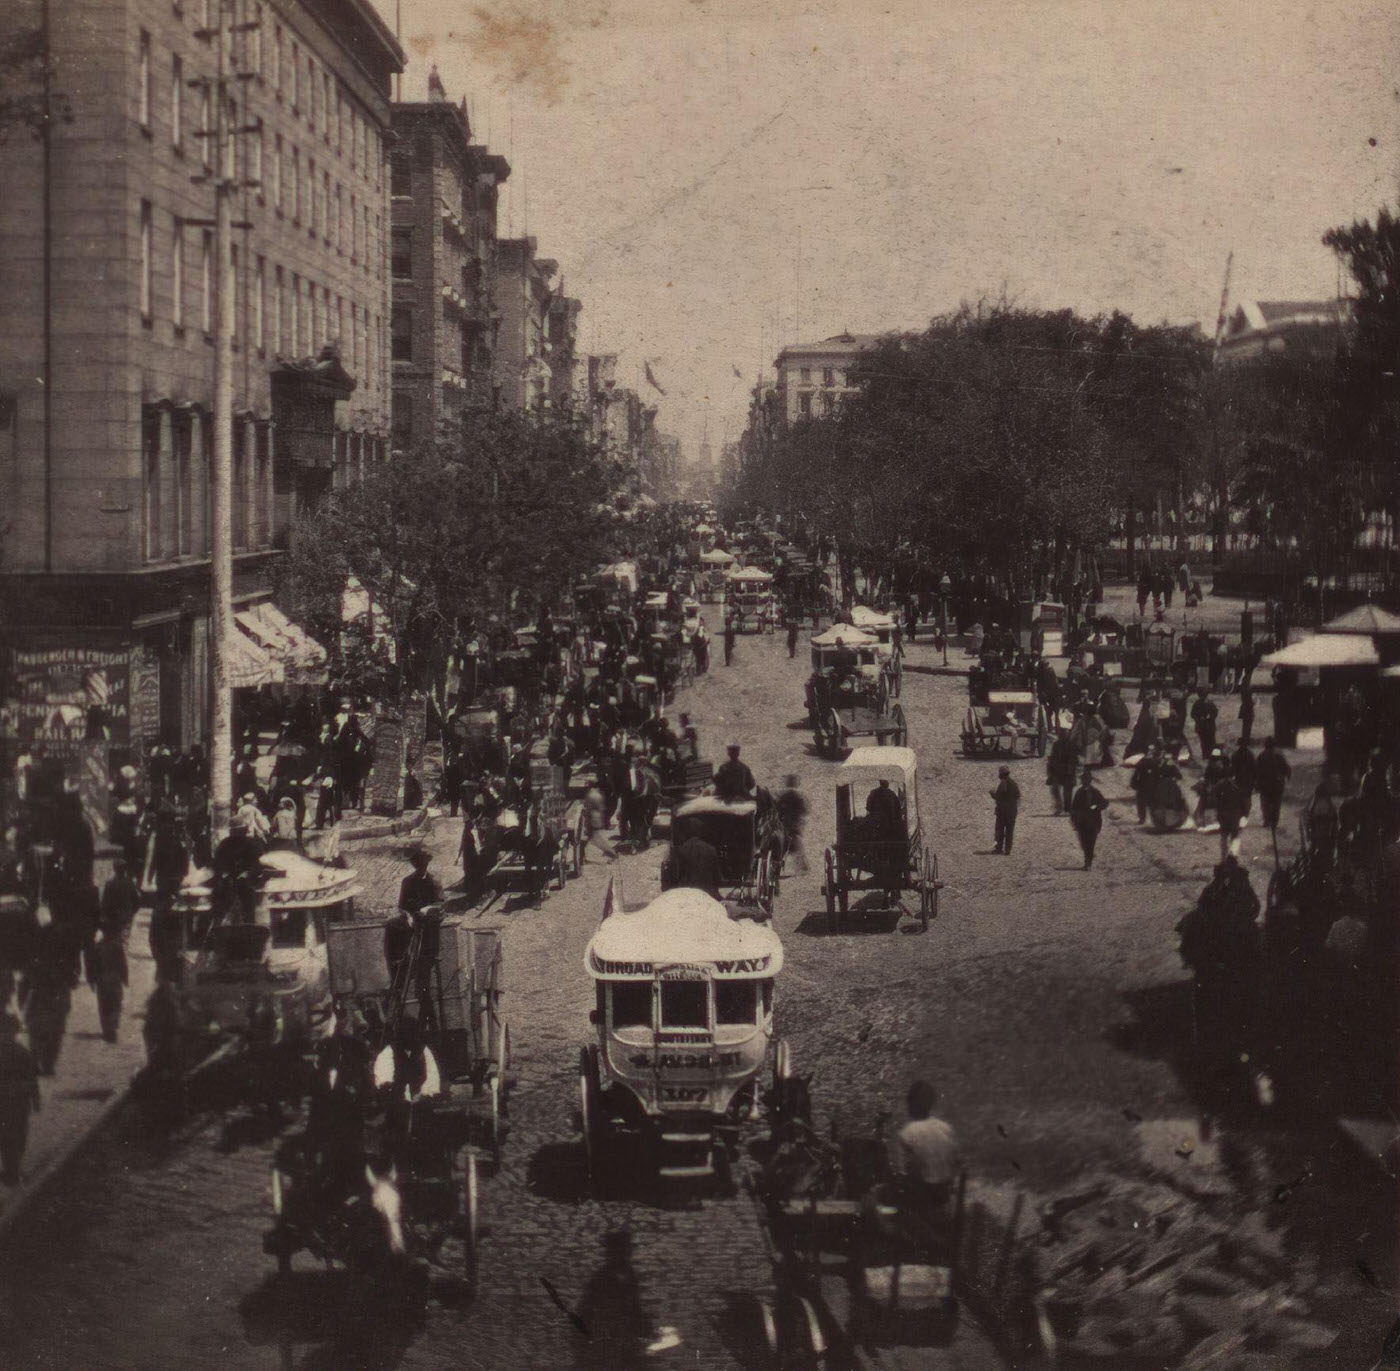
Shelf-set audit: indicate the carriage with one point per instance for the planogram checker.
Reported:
(866, 856)
(541, 839)
(884, 629)
(684, 1018)
(265, 977)
(400, 1221)
(749, 601)
(842, 705)
(1004, 718)
(749, 845)
(864, 1272)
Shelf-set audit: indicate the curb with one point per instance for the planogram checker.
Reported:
(61, 1160)
(389, 828)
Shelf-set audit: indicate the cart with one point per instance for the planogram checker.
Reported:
(1004, 718)
(866, 857)
(885, 630)
(842, 703)
(749, 847)
(866, 1273)
(749, 601)
(684, 1018)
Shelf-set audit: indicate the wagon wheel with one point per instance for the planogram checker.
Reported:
(882, 696)
(935, 885)
(901, 736)
(591, 1112)
(812, 1336)
(561, 872)
(470, 1219)
(1042, 730)
(928, 895)
(765, 883)
(284, 1252)
(501, 1051)
(829, 889)
(495, 1090)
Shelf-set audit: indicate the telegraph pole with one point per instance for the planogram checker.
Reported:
(221, 625)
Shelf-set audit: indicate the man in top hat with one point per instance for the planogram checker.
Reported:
(1086, 809)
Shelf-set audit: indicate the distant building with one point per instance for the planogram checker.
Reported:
(1257, 330)
(814, 377)
(108, 283)
(535, 345)
(442, 257)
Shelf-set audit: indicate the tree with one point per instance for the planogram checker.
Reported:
(450, 533)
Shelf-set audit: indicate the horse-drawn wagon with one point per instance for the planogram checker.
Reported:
(747, 844)
(1004, 717)
(848, 694)
(885, 848)
(749, 601)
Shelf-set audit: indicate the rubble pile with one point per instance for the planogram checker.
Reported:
(1136, 1271)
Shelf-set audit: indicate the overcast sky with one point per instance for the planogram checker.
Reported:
(1098, 154)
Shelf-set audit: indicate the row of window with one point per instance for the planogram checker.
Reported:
(313, 91)
(830, 376)
(275, 309)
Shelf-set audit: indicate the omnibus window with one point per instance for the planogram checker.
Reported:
(735, 1001)
(289, 928)
(631, 1004)
(684, 1004)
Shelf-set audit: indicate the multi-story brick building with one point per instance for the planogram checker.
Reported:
(535, 347)
(444, 331)
(107, 297)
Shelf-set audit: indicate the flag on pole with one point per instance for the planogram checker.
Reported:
(651, 377)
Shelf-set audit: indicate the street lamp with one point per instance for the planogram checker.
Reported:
(944, 587)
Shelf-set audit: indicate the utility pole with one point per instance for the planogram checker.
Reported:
(223, 174)
(221, 625)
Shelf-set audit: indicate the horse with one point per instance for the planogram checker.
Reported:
(641, 799)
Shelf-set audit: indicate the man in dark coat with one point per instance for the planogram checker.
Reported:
(1246, 712)
(1086, 809)
(1006, 800)
(734, 781)
(1244, 768)
(1144, 779)
(1230, 803)
(1060, 768)
(1205, 715)
(729, 633)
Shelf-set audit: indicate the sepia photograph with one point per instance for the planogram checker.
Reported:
(699, 685)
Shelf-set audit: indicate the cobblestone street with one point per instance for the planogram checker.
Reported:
(1045, 1001)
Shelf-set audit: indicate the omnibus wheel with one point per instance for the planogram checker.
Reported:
(591, 1112)
(829, 888)
(782, 1063)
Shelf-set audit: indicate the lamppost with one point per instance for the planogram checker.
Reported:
(944, 587)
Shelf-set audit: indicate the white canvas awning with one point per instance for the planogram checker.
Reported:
(1366, 620)
(249, 663)
(1327, 649)
(302, 658)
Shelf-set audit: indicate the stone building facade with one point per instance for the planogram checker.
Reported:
(107, 284)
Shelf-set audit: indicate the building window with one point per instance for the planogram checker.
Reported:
(308, 320)
(240, 484)
(326, 321)
(259, 19)
(804, 404)
(339, 120)
(354, 335)
(401, 335)
(296, 185)
(234, 295)
(364, 214)
(143, 77)
(206, 284)
(294, 315)
(262, 531)
(402, 419)
(326, 206)
(277, 172)
(206, 127)
(312, 209)
(402, 254)
(278, 304)
(255, 149)
(259, 303)
(372, 328)
(177, 103)
(146, 263)
(401, 178)
(340, 323)
(296, 77)
(354, 229)
(828, 376)
(339, 219)
(229, 143)
(150, 487)
(806, 376)
(177, 273)
(277, 60)
(182, 438)
(327, 101)
(310, 91)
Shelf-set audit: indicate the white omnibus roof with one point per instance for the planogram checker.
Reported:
(712, 804)
(681, 928)
(849, 635)
(864, 617)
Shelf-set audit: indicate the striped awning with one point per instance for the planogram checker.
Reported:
(300, 657)
(249, 664)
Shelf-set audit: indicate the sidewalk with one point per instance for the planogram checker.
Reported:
(92, 1079)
